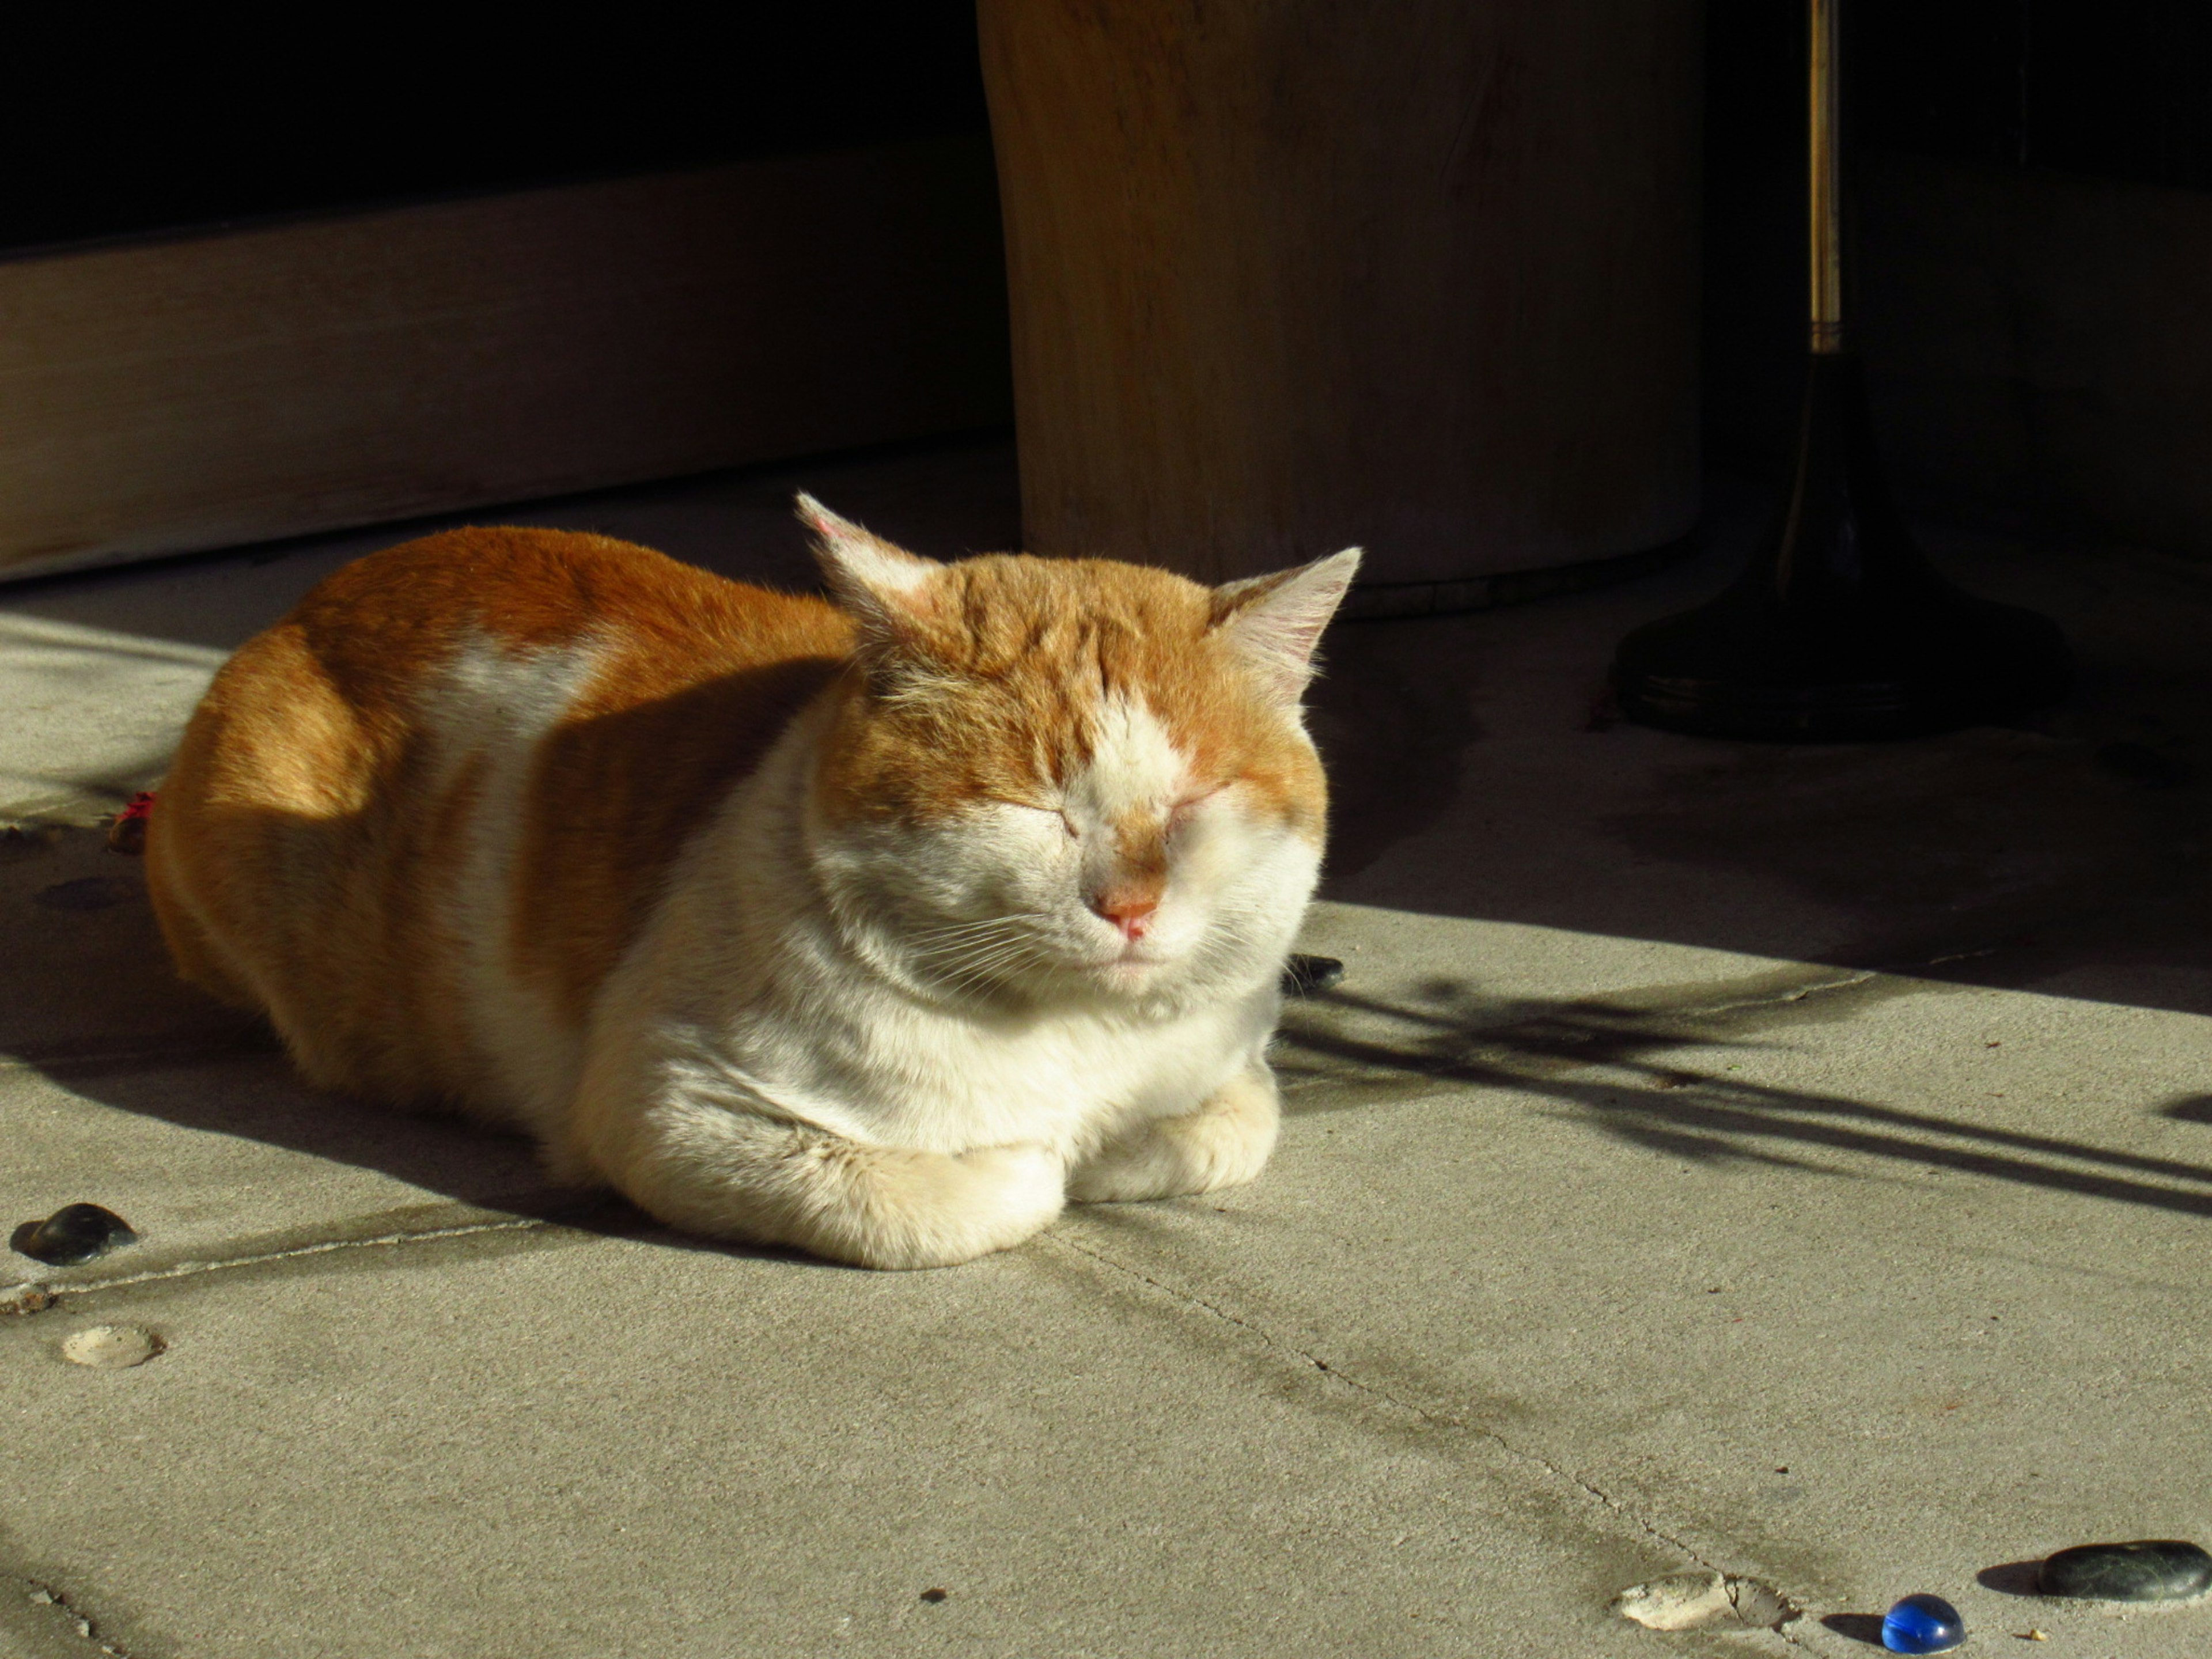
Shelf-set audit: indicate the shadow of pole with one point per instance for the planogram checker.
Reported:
(1553, 1051)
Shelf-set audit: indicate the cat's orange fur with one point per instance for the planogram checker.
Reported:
(298, 775)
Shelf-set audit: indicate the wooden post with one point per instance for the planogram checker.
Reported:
(1291, 274)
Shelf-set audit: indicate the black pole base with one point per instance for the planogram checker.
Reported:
(1839, 629)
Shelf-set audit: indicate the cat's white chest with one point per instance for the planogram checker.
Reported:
(746, 990)
(1067, 1080)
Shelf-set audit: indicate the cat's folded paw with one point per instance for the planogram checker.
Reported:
(931, 1210)
(1224, 1142)
(1026, 1172)
(773, 1180)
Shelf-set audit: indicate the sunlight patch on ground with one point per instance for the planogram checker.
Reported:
(1707, 1058)
(91, 715)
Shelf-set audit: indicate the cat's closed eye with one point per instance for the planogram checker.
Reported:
(1066, 823)
(1181, 812)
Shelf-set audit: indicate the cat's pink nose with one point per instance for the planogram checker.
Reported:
(1130, 912)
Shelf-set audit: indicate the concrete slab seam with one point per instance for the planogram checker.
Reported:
(193, 1268)
(1533, 1459)
(169, 1054)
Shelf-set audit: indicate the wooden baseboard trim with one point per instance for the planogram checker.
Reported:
(220, 389)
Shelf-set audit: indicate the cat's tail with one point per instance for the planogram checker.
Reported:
(729, 1173)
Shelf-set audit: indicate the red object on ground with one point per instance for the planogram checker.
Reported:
(126, 831)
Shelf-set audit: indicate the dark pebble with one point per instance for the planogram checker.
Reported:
(85, 893)
(2153, 1570)
(1308, 976)
(74, 1233)
(935, 1594)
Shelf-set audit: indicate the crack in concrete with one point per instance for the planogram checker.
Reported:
(1536, 1459)
(36, 1296)
(1799, 993)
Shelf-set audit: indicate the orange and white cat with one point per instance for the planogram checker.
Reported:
(878, 928)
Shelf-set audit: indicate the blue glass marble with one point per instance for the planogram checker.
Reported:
(1923, 1624)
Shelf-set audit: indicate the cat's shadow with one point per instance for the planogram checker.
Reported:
(230, 1077)
(115, 1027)
(1393, 739)
(102, 1016)
(246, 1089)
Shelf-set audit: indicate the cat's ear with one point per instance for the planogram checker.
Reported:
(888, 590)
(1275, 621)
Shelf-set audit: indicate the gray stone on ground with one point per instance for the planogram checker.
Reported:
(2147, 1570)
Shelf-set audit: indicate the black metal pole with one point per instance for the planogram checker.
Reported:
(1839, 627)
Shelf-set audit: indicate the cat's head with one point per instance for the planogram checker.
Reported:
(1069, 778)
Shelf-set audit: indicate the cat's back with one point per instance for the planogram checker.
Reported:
(380, 627)
(417, 818)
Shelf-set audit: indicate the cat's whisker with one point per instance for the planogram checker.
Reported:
(963, 953)
(971, 953)
(956, 932)
(984, 965)
(956, 949)
(1015, 924)
(997, 962)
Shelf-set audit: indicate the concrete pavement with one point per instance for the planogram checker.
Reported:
(1790, 1164)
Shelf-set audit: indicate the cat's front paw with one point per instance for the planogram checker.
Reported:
(1025, 1180)
(1224, 1142)
(934, 1209)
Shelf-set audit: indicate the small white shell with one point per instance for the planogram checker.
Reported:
(111, 1347)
